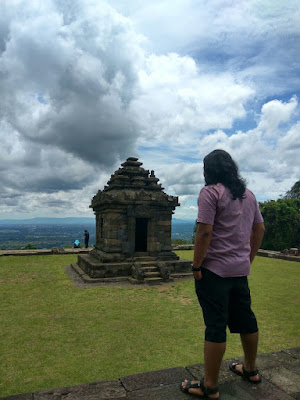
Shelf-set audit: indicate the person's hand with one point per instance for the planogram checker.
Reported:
(197, 275)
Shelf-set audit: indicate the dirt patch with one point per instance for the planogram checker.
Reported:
(182, 300)
(162, 289)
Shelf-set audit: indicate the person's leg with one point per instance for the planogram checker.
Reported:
(213, 355)
(249, 343)
(212, 292)
(242, 320)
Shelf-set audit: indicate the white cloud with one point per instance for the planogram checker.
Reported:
(274, 113)
(84, 71)
(87, 83)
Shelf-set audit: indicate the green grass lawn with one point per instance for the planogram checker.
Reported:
(53, 334)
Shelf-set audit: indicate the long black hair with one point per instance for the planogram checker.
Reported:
(219, 167)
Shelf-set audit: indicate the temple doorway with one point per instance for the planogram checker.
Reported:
(141, 234)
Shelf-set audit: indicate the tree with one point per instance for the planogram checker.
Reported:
(282, 222)
(294, 192)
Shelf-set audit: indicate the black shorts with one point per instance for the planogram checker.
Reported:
(225, 302)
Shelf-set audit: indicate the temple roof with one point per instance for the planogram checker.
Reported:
(133, 176)
(132, 184)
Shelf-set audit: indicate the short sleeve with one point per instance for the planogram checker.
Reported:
(258, 218)
(207, 205)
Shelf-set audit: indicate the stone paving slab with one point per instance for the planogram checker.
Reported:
(96, 390)
(263, 391)
(155, 378)
(287, 380)
(163, 392)
(270, 360)
(27, 396)
(294, 367)
(280, 373)
(295, 353)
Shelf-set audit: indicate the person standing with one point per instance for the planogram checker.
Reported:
(230, 230)
(86, 238)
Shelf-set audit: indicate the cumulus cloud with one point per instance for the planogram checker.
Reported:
(270, 163)
(274, 113)
(248, 37)
(67, 85)
(177, 97)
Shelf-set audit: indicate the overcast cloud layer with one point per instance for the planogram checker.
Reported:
(84, 84)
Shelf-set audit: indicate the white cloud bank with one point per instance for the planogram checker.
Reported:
(83, 87)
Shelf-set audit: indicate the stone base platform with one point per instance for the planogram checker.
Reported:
(280, 381)
(136, 271)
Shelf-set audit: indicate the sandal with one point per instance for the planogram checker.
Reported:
(206, 391)
(245, 374)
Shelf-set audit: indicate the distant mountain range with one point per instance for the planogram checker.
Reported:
(48, 221)
(67, 221)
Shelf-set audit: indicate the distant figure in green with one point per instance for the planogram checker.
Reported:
(230, 229)
(86, 238)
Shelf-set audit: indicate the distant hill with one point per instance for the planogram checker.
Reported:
(182, 221)
(48, 221)
(61, 232)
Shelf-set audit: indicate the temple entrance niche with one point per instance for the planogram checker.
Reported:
(133, 228)
(141, 234)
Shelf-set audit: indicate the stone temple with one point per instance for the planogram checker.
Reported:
(133, 231)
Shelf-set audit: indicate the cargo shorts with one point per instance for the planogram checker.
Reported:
(225, 302)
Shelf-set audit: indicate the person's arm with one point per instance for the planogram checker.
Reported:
(256, 238)
(202, 241)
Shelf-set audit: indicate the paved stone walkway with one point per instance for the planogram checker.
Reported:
(280, 372)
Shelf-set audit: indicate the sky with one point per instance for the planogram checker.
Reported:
(85, 84)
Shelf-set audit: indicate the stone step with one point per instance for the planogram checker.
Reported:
(149, 268)
(152, 274)
(148, 281)
(155, 279)
(143, 259)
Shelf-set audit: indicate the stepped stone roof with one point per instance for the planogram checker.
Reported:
(132, 183)
(133, 176)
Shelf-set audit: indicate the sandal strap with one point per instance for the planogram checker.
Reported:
(190, 385)
(247, 374)
(208, 391)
